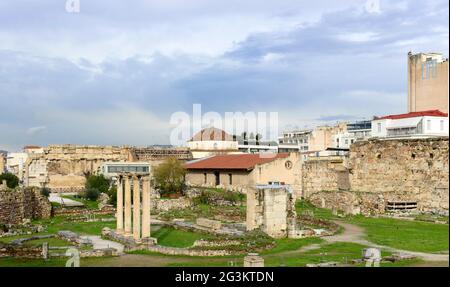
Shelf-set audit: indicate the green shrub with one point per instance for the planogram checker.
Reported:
(45, 191)
(12, 181)
(92, 194)
(112, 192)
(99, 182)
(169, 176)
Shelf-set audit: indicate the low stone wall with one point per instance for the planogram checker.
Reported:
(221, 243)
(23, 204)
(83, 211)
(208, 223)
(169, 204)
(20, 251)
(188, 252)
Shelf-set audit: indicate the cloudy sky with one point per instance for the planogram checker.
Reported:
(115, 72)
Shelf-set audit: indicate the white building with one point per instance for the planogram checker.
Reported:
(414, 124)
(212, 141)
(356, 131)
(112, 169)
(15, 163)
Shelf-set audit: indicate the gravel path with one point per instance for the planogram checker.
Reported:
(55, 197)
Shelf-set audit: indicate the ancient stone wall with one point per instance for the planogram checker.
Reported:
(324, 174)
(381, 173)
(64, 167)
(272, 210)
(28, 203)
(403, 170)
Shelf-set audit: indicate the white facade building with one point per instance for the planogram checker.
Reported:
(112, 169)
(212, 141)
(415, 124)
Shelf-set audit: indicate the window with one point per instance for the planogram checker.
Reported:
(379, 127)
(205, 178)
(346, 141)
(428, 124)
(230, 177)
(442, 125)
(352, 141)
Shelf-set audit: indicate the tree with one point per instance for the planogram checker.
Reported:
(99, 182)
(169, 176)
(12, 181)
(92, 193)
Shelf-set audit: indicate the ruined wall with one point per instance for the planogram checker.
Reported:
(380, 173)
(404, 170)
(27, 203)
(64, 167)
(324, 175)
(272, 210)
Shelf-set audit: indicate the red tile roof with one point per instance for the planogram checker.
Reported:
(212, 134)
(31, 147)
(430, 113)
(233, 161)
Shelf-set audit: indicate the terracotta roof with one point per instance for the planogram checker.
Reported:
(233, 161)
(31, 147)
(429, 113)
(212, 134)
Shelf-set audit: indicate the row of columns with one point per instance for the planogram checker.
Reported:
(133, 206)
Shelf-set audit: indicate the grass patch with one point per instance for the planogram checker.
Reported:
(172, 237)
(58, 223)
(404, 234)
(305, 207)
(340, 252)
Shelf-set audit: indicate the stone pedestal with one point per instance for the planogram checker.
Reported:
(253, 260)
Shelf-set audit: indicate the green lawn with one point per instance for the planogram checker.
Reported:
(58, 223)
(177, 238)
(410, 235)
(405, 234)
(302, 206)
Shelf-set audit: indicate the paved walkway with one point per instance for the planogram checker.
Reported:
(356, 234)
(55, 197)
(99, 243)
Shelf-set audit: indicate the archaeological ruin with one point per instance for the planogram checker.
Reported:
(63, 168)
(20, 204)
(133, 208)
(382, 175)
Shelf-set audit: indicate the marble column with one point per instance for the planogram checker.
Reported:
(119, 208)
(136, 209)
(145, 207)
(127, 205)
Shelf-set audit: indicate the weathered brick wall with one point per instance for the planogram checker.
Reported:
(323, 174)
(408, 169)
(17, 205)
(382, 171)
(64, 167)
